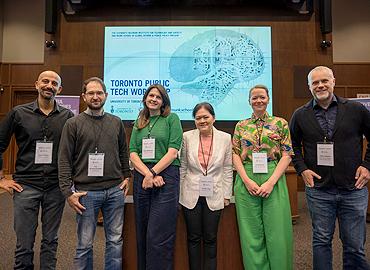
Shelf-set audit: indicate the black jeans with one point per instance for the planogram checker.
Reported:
(202, 223)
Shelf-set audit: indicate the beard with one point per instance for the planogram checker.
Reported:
(96, 107)
(47, 94)
(323, 96)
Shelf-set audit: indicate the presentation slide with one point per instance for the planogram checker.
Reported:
(217, 64)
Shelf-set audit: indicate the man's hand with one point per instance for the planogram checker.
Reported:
(125, 185)
(265, 189)
(362, 177)
(308, 176)
(74, 202)
(158, 181)
(9, 185)
(252, 187)
(147, 181)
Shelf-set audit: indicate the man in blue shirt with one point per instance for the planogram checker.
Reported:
(330, 131)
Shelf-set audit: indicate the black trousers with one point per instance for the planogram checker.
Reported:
(202, 223)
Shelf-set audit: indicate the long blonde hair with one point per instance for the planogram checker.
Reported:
(144, 114)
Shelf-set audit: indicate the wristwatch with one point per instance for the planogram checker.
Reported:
(153, 172)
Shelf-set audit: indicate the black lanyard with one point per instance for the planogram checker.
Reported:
(150, 127)
(209, 153)
(101, 127)
(44, 127)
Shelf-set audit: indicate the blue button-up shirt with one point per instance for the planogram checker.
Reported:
(326, 117)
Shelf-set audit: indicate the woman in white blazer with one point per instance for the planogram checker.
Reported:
(206, 178)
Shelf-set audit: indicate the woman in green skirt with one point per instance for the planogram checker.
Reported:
(261, 153)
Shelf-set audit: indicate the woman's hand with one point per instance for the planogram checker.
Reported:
(252, 187)
(148, 181)
(265, 189)
(226, 202)
(158, 181)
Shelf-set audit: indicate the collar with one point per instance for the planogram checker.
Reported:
(263, 118)
(88, 111)
(333, 101)
(36, 107)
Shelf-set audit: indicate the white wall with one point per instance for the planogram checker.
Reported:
(351, 31)
(23, 31)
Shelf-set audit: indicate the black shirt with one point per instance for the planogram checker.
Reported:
(29, 125)
(326, 117)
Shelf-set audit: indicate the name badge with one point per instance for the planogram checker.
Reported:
(95, 164)
(44, 152)
(206, 186)
(148, 148)
(259, 162)
(325, 154)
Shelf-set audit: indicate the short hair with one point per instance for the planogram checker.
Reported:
(204, 105)
(317, 69)
(93, 79)
(259, 86)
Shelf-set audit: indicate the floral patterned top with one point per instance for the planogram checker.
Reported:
(268, 134)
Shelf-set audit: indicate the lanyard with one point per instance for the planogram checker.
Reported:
(150, 127)
(209, 153)
(44, 127)
(259, 128)
(45, 132)
(97, 138)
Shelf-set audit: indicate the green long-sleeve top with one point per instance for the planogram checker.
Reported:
(166, 131)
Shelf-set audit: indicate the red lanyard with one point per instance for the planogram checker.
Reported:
(209, 153)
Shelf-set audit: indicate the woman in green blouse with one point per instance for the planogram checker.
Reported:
(261, 153)
(155, 140)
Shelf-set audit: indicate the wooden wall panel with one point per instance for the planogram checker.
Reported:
(340, 91)
(4, 74)
(5, 99)
(25, 74)
(72, 79)
(352, 78)
(352, 73)
(352, 91)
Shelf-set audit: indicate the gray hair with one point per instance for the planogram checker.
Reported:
(322, 68)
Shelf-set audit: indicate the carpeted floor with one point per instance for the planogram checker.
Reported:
(66, 250)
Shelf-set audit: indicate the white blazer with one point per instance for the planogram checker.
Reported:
(219, 167)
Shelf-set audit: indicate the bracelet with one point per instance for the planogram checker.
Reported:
(153, 172)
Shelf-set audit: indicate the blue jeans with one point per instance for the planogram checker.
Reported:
(26, 211)
(156, 216)
(111, 202)
(349, 206)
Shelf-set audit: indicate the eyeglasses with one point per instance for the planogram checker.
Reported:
(98, 93)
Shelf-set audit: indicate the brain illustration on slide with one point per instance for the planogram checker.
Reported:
(217, 64)
(211, 63)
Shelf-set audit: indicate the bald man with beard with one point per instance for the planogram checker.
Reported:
(37, 127)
